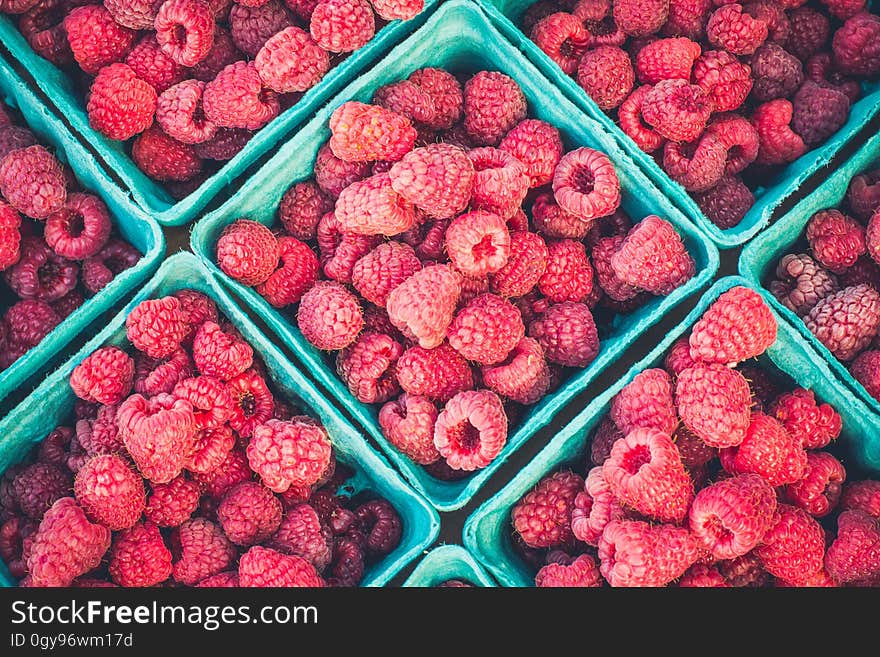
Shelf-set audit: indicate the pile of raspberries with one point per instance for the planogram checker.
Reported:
(832, 279)
(58, 246)
(707, 471)
(182, 468)
(192, 80)
(719, 92)
(411, 256)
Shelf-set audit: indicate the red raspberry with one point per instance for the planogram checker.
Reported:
(606, 74)
(185, 30)
(768, 450)
(537, 145)
(779, 144)
(179, 113)
(96, 39)
(251, 27)
(697, 166)
(329, 316)
(542, 518)
(703, 576)
(855, 553)
(52, 448)
(855, 45)
(640, 18)
(105, 376)
(37, 487)
(764, 388)
(291, 61)
(814, 425)
(714, 402)
(486, 330)
(342, 25)
(647, 460)
(248, 252)
(133, 14)
(153, 376)
(172, 504)
(445, 92)
(408, 424)
(254, 402)
(362, 133)
(407, 99)
(585, 184)
(552, 221)
(493, 104)
(221, 354)
(212, 446)
(836, 240)
(568, 275)
(210, 398)
(40, 273)
(808, 32)
(819, 491)
(794, 546)
(594, 507)
(237, 99)
(500, 181)
(422, 307)
(635, 553)
(563, 38)
(818, 112)
(567, 333)
(100, 435)
(736, 327)
(200, 550)
(157, 326)
(736, 31)
(10, 236)
(687, 18)
(120, 104)
(611, 284)
(726, 81)
(232, 470)
(866, 370)
(739, 139)
(651, 242)
(471, 430)
(340, 250)
(297, 273)
(676, 109)
(15, 534)
(249, 513)
(745, 571)
(287, 454)
(65, 546)
(27, 323)
(158, 433)
(667, 59)
(478, 243)
(262, 567)
(32, 181)
(731, 516)
(139, 557)
(80, 229)
(581, 572)
(645, 402)
(437, 179)
(678, 358)
(374, 207)
(438, 373)
(302, 534)
(862, 496)
(727, 202)
(301, 208)
(163, 158)
(153, 66)
(384, 268)
(846, 321)
(523, 376)
(380, 525)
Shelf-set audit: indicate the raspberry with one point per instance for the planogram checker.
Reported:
(714, 402)
(736, 327)
(150, 64)
(437, 179)
(172, 504)
(52, 448)
(744, 571)
(523, 376)
(32, 181)
(223, 52)
(342, 25)
(478, 243)
(158, 433)
(862, 496)
(640, 18)
(820, 580)
(808, 32)
(100, 435)
(606, 74)
(493, 104)
(581, 572)
(731, 516)
(157, 326)
(697, 166)
(373, 207)
(630, 118)
(866, 370)
(552, 221)
(185, 30)
(635, 553)
(291, 61)
(471, 430)
(133, 14)
(736, 31)
(818, 112)
(567, 333)
(380, 525)
(341, 250)
(226, 144)
(153, 376)
(68, 304)
(263, 567)
(864, 271)
(855, 45)
(793, 548)
(422, 307)
(537, 145)
(702, 576)
(768, 450)
(297, 273)
(211, 448)
(776, 73)
(727, 202)
(376, 274)
(836, 240)
(37, 487)
(80, 229)
(179, 113)
(15, 534)
(200, 549)
(645, 402)
(329, 316)
(251, 27)
(687, 18)
(438, 373)
(235, 98)
(445, 92)
(407, 99)
(10, 236)
(819, 491)
(228, 579)
(163, 158)
(739, 139)
(210, 398)
(301, 208)
(542, 518)
(248, 252)
(667, 59)
(139, 557)
(254, 402)
(647, 460)
(568, 275)
(694, 452)
(486, 330)
(610, 283)
(678, 358)
(13, 138)
(96, 39)
(814, 425)
(653, 257)
(363, 133)
(855, 553)
(40, 273)
(65, 546)
(500, 181)
(594, 507)
(287, 454)
(249, 513)
(779, 143)
(27, 323)
(105, 376)
(408, 424)
(846, 322)
(724, 79)
(563, 38)
(844, 9)
(120, 104)
(333, 174)
(302, 534)
(43, 27)
(676, 109)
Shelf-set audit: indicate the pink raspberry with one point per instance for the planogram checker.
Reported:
(80, 229)
(153, 66)
(95, 38)
(836, 239)
(438, 373)
(563, 38)
(120, 104)
(739, 139)
(153, 376)
(139, 557)
(408, 424)
(486, 330)
(667, 59)
(687, 18)
(640, 18)
(342, 25)
(818, 112)
(478, 243)
(678, 358)
(724, 79)
(376, 274)
(645, 402)
(105, 376)
(248, 252)
(736, 31)
(10, 236)
(157, 326)
(493, 104)
(301, 208)
(211, 448)
(866, 370)
(736, 327)
(437, 179)
(329, 316)
(636, 553)
(235, 98)
(133, 14)
(297, 272)
(731, 517)
(163, 158)
(542, 518)
(585, 184)
(855, 553)
(179, 113)
(232, 470)
(714, 402)
(249, 513)
(814, 425)
(794, 546)
(200, 550)
(302, 534)
(210, 398)
(855, 45)
(697, 166)
(610, 283)
(581, 572)
(172, 504)
(65, 546)
(606, 74)
(471, 430)
(226, 144)
(819, 491)
(422, 307)
(629, 115)
(568, 275)
(340, 250)
(500, 182)
(552, 221)
(727, 202)
(768, 450)
(594, 507)
(185, 30)
(291, 61)
(263, 567)
(363, 133)
(158, 433)
(43, 27)
(37, 487)
(445, 92)
(523, 376)
(374, 207)
(32, 181)
(676, 109)
(100, 435)
(567, 334)
(846, 321)
(650, 241)
(407, 99)
(254, 402)
(286, 454)
(537, 145)
(647, 460)
(779, 144)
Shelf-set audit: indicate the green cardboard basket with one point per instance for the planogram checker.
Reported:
(459, 37)
(448, 562)
(52, 404)
(487, 532)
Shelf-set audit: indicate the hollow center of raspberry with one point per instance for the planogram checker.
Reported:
(583, 180)
(602, 27)
(179, 35)
(485, 249)
(76, 225)
(468, 438)
(636, 458)
(49, 274)
(717, 532)
(570, 48)
(687, 101)
(248, 404)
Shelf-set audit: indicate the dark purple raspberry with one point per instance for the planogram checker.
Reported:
(801, 283)
(818, 112)
(381, 524)
(776, 73)
(726, 203)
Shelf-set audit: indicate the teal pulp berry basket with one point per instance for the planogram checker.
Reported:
(52, 404)
(759, 259)
(506, 15)
(448, 562)
(134, 225)
(460, 38)
(487, 532)
(59, 87)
